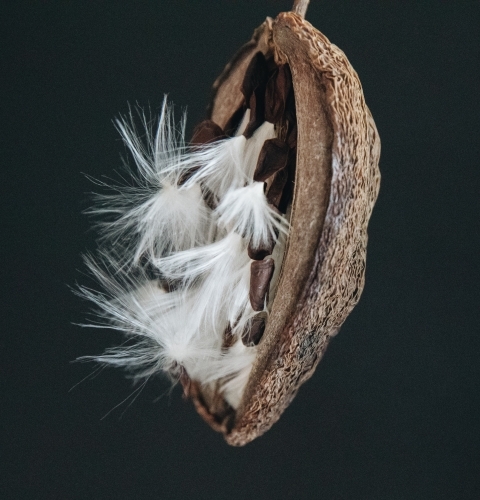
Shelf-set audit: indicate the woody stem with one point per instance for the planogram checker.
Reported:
(300, 7)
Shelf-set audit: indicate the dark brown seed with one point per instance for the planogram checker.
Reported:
(204, 133)
(277, 91)
(261, 272)
(259, 253)
(233, 123)
(274, 194)
(253, 88)
(272, 158)
(207, 131)
(257, 111)
(256, 76)
(254, 334)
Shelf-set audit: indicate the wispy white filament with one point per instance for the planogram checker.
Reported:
(161, 224)
(222, 165)
(175, 218)
(246, 211)
(227, 164)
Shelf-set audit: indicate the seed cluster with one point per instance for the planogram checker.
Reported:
(268, 96)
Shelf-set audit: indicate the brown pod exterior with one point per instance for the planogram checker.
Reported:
(336, 185)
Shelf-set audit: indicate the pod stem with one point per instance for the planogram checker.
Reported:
(300, 7)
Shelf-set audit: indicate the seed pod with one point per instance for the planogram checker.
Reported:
(336, 182)
(239, 255)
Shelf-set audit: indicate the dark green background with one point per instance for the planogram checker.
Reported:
(392, 411)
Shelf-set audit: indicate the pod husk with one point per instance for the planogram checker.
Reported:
(336, 184)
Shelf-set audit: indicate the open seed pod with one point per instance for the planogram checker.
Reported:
(249, 251)
(335, 185)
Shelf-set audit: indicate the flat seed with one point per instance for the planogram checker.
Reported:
(256, 76)
(234, 121)
(272, 158)
(253, 88)
(261, 272)
(277, 91)
(254, 335)
(275, 193)
(259, 253)
(257, 111)
(207, 131)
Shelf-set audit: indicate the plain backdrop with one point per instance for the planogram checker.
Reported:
(392, 411)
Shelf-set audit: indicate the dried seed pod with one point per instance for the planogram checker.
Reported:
(336, 185)
(241, 254)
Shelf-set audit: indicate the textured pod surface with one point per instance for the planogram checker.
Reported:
(336, 185)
